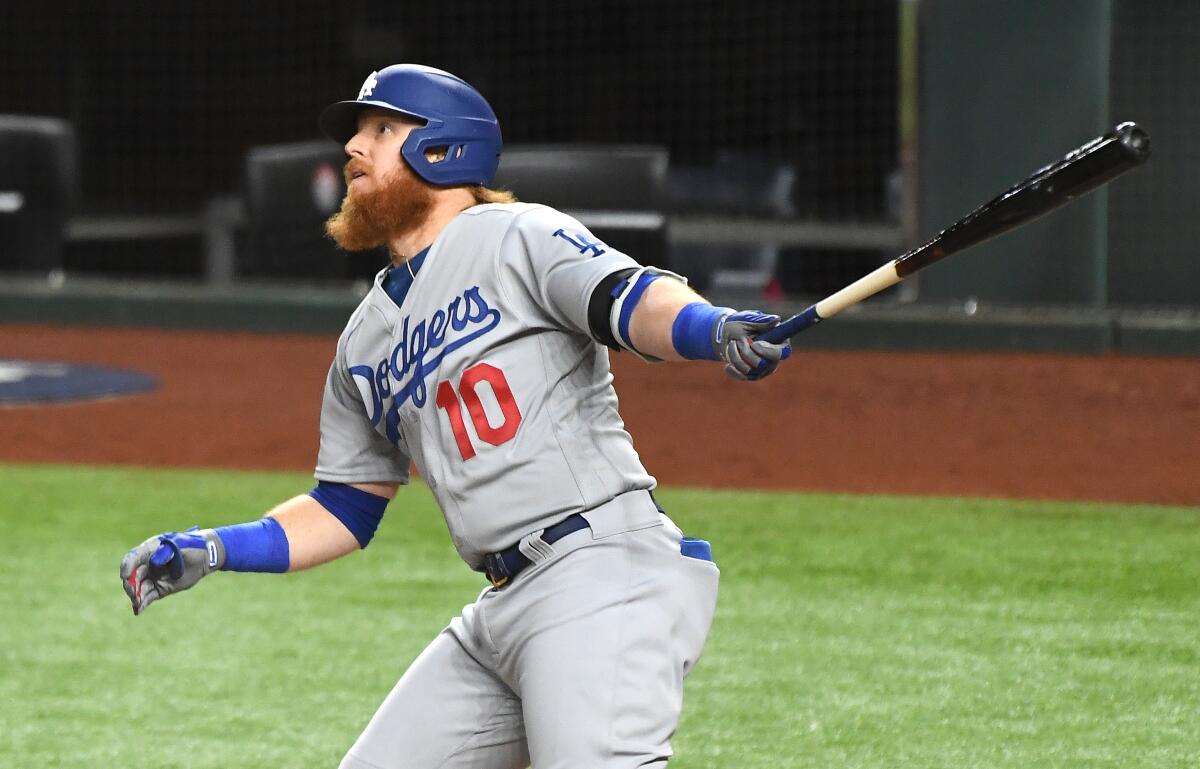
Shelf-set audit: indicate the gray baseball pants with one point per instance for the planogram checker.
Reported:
(577, 663)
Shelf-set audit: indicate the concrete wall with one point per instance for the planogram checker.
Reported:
(1007, 87)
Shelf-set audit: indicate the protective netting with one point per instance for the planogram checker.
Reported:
(777, 108)
(1152, 222)
(167, 97)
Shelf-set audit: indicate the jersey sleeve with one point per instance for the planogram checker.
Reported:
(351, 450)
(555, 264)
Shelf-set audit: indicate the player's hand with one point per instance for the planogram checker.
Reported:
(169, 563)
(746, 357)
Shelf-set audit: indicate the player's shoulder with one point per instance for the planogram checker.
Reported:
(523, 216)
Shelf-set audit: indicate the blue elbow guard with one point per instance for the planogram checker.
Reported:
(359, 511)
(626, 297)
(259, 545)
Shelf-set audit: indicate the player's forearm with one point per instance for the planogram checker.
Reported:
(314, 535)
(331, 521)
(650, 327)
(672, 322)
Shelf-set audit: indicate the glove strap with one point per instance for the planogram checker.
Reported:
(693, 334)
(215, 548)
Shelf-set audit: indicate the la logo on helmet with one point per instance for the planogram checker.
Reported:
(368, 86)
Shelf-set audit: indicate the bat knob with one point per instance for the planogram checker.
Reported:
(1135, 140)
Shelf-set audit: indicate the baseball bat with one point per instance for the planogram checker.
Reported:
(1084, 169)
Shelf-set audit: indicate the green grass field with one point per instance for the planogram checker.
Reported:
(852, 631)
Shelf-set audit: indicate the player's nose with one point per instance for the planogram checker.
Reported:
(356, 146)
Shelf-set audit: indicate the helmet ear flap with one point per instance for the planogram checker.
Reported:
(414, 152)
(436, 158)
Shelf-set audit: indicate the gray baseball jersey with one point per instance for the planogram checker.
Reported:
(485, 376)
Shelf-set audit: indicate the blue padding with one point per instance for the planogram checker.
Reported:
(259, 545)
(692, 332)
(699, 549)
(631, 301)
(358, 510)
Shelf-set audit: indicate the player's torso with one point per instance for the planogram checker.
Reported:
(510, 420)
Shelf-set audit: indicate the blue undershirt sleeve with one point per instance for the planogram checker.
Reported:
(359, 511)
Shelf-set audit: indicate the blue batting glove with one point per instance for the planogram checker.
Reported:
(169, 563)
(748, 358)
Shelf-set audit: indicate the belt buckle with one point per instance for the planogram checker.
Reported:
(496, 570)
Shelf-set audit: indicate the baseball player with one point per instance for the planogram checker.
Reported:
(481, 355)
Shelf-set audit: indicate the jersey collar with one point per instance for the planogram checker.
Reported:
(398, 279)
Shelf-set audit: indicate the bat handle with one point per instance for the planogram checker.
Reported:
(868, 285)
(792, 326)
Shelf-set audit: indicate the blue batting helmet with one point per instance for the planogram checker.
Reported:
(456, 117)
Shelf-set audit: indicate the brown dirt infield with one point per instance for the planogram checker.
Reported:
(1007, 425)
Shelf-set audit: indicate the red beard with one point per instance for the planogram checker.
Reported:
(368, 220)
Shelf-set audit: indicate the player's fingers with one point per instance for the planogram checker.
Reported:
(735, 374)
(739, 365)
(751, 354)
(128, 564)
(133, 570)
(744, 357)
(761, 370)
(150, 594)
(768, 351)
(135, 586)
(129, 581)
(138, 555)
(765, 370)
(749, 365)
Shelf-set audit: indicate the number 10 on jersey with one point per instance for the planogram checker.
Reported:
(468, 394)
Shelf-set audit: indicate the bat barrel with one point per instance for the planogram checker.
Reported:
(1081, 171)
(1134, 140)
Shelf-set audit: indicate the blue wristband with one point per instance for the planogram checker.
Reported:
(692, 333)
(359, 511)
(259, 545)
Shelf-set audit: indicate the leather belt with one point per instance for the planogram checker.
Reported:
(503, 566)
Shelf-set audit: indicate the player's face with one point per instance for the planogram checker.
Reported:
(384, 199)
(375, 150)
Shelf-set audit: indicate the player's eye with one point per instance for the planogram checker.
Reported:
(384, 129)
